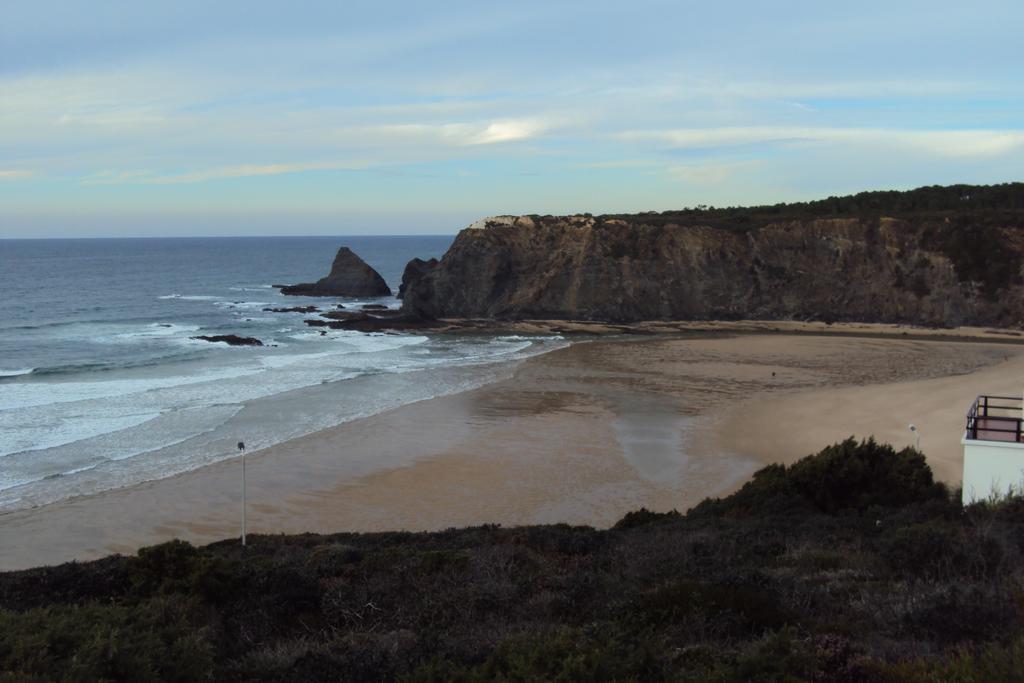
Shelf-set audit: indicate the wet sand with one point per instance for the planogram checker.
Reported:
(580, 435)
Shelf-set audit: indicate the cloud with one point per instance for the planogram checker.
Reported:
(708, 174)
(16, 174)
(367, 146)
(457, 134)
(964, 144)
(145, 177)
(617, 164)
(507, 131)
(969, 143)
(115, 119)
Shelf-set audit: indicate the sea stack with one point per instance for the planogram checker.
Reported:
(349, 276)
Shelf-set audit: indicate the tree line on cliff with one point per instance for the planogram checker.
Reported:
(987, 201)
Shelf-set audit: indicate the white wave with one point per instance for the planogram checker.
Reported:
(171, 428)
(244, 305)
(78, 470)
(190, 297)
(378, 342)
(531, 338)
(258, 288)
(17, 396)
(138, 428)
(360, 342)
(56, 431)
(312, 336)
(18, 372)
(225, 384)
(283, 361)
(158, 331)
(79, 455)
(391, 303)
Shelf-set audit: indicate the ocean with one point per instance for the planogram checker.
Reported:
(101, 385)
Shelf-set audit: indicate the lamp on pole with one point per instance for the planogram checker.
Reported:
(915, 432)
(241, 449)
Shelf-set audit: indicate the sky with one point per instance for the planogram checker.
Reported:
(259, 118)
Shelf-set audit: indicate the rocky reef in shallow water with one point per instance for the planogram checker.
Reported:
(942, 266)
(230, 339)
(350, 276)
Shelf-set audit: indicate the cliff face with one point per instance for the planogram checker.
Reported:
(936, 270)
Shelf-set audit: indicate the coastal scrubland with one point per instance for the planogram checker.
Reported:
(853, 564)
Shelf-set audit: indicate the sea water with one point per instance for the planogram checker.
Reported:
(102, 384)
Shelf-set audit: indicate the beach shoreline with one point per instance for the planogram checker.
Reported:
(580, 435)
(597, 329)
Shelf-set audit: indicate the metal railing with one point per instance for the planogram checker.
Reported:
(995, 418)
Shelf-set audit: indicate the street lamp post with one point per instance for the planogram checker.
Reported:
(241, 448)
(915, 432)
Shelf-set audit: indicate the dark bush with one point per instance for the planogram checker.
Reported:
(157, 640)
(74, 582)
(177, 567)
(644, 516)
(964, 613)
(555, 655)
(858, 475)
(333, 559)
(846, 476)
(744, 607)
(926, 550)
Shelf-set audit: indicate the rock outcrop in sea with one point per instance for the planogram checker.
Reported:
(943, 268)
(230, 339)
(350, 276)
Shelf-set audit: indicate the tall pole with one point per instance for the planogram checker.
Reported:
(241, 448)
(243, 497)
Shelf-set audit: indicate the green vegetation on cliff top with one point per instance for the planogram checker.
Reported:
(849, 565)
(998, 201)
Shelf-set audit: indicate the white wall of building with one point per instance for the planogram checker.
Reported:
(992, 468)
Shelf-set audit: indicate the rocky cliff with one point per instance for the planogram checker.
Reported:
(349, 276)
(935, 268)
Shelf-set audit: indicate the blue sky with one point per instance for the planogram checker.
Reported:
(188, 118)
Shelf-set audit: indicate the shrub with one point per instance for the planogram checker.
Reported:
(177, 567)
(559, 654)
(643, 516)
(159, 640)
(995, 662)
(333, 559)
(844, 476)
(748, 607)
(851, 475)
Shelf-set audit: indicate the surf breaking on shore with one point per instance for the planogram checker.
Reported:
(92, 431)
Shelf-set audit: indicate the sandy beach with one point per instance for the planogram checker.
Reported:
(580, 435)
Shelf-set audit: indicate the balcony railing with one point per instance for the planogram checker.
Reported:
(995, 418)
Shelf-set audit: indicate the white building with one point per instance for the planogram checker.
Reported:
(993, 448)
